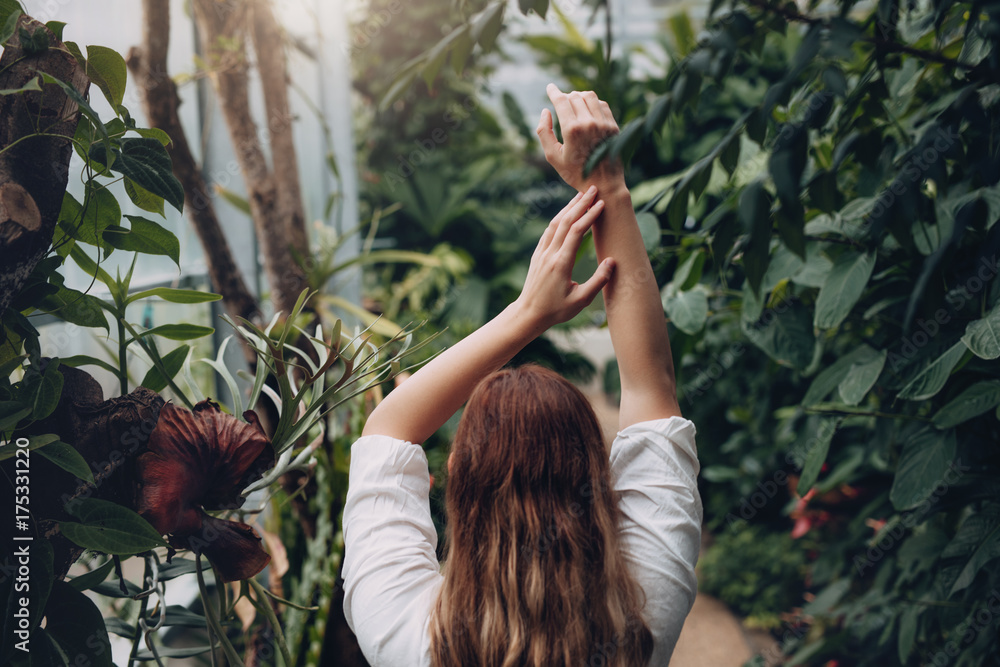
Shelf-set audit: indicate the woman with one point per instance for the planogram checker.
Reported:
(557, 557)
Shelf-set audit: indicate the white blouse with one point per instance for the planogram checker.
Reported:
(391, 573)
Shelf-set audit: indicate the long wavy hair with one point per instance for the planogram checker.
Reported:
(534, 574)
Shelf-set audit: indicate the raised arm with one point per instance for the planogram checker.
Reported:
(632, 299)
(419, 406)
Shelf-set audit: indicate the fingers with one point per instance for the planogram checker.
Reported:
(593, 104)
(606, 112)
(550, 145)
(574, 212)
(602, 276)
(579, 106)
(576, 231)
(559, 100)
(550, 231)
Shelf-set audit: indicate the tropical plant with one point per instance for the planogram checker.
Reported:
(831, 279)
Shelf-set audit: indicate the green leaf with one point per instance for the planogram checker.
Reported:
(788, 161)
(85, 582)
(10, 12)
(87, 225)
(170, 652)
(76, 307)
(688, 274)
(109, 528)
(861, 377)
(31, 86)
(819, 448)
(44, 390)
(85, 108)
(983, 335)
(843, 288)
(56, 27)
(106, 69)
(143, 198)
(649, 228)
(486, 26)
(86, 360)
(687, 310)
(68, 459)
(176, 295)
(147, 163)
(677, 208)
(179, 331)
(173, 361)
(34, 442)
(786, 336)
(755, 214)
(974, 401)
(925, 458)
(934, 375)
(907, 632)
(75, 623)
(154, 133)
(983, 534)
(145, 236)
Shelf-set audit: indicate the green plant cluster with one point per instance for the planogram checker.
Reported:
(757, 572)
(826, 183)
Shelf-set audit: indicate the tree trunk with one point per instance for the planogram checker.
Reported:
(223, 28)
(148, 65)
(33, 173)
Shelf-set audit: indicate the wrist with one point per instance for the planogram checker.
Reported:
(525, 322)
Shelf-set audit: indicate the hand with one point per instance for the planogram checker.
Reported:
(586, 122)
(550, 295)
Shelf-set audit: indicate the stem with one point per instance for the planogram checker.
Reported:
(272, 618)
(122, 353)
(213, 621)
(142, 614)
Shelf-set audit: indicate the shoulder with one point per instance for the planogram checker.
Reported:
(671, 439)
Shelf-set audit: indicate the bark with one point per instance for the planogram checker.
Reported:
(223, 30)
(272, 68)
(148, 66)
(109, 435)
(33, 173)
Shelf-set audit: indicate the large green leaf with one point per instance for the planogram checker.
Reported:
(106, 69)
(34, 442)
(145, 236)
(978, 543)
(983, 336)
(932, 378)
(143, 198)
(688, 310)
(786, 336)
(109, 528)
(176, 295)
(146, 162)
(819, 448)
(843, 287)
(178, 331)
(649, 227)
(67, 458)
(173, 361)
(76, 307)
(925, 458)
(972, 402)
(755, 214)
(861, 377)
(88, 224)
(831, 376)
(75, 623)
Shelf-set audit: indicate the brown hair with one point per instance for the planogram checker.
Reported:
(535, 574)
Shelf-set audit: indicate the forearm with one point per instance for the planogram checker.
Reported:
(635, 314)
(418, 407)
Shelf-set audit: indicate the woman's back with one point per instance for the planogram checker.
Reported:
(556, 555)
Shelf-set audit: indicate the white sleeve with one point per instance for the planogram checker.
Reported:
(654, 466)
(390, 571)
